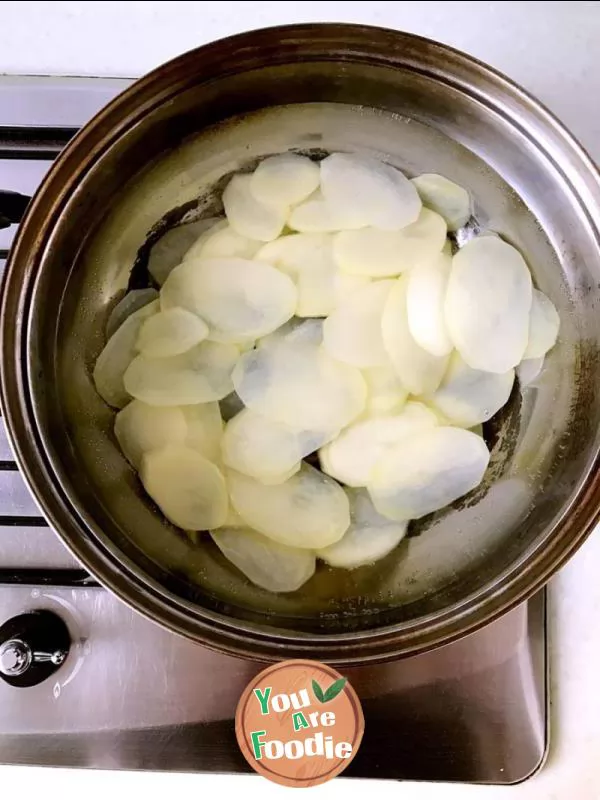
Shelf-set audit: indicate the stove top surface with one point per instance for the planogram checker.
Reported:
(131, 695)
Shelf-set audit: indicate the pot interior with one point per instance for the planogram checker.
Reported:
(165, 170)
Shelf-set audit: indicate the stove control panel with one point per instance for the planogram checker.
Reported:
(32, 647)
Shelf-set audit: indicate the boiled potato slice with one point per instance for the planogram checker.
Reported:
(140, 428)
(233, 519)
(118, 353)
(420, 371)
(364, 191)
(425, 298)
(284, 180)
(315, 215)
(238, 298)
(352, 333)
(258, 446)
(469, 396)
(354, 454)
(369, 538)
(178, 290)
(204, 429)
(171, 332)
(222, 241)
(384, 254)
(300, 385)
(247, 215)
(128, 305)
(345, 285)
(264, 448)
(445, 197)
(275, 479)
(200, 375)
(309, 510)
(529, 369)
(488, 302)
(427, 471)
(186, 486)
(215, 225)
(308, 259)
(268, 564)
(170, 250)
(386, 393)
(295, 330)
(543, 326)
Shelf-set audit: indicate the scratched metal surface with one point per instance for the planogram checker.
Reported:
(134, 696)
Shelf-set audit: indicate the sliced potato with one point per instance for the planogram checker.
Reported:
(117, 355)
(215, 225)
(300, 385)
(425, 299)
(258, 446)
(170, 333)
(238, 298)
(354, 454)
(309, 510)
(315, 215)
(268, 564)
(488, 303)
(427, 471)
(222, 241)
(445, 197)
(233, 519)
(128, 305)
(200, 375)
(140, 428)
(204, 429)
(178, 290)
(247, 215)
(188, 488)
(172, 247)
(420, 371)
(529, 369)
(544, 323)
(275, 479)
(308, 259)
(284, 180)
(296, 330)
(384, 254)
(469, 396)
(364, 191)
(352, 333)
(345, 285)
(369, 538)
(386, 394)
(265, 449)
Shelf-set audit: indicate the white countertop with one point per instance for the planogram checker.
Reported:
(548, 47)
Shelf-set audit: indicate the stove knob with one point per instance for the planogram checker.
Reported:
(32, 647)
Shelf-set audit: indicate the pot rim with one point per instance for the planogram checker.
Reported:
(282, 44)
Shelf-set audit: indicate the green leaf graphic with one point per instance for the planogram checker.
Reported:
(318, 692)
(334, 689)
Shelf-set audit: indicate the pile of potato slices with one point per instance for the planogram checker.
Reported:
(325, 314)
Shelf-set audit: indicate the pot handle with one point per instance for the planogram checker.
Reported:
(12, 207)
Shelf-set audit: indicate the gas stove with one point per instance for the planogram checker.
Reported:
(86, 682)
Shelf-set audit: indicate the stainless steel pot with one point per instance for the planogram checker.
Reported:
(156, 158)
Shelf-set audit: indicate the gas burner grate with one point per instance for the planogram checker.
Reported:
(30, 555)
